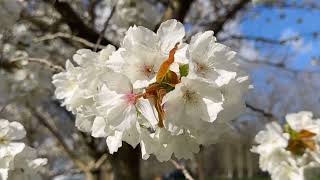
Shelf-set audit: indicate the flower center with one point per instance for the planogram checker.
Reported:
(300, 141)
(190, 97)
(202, 68)
(131, 98)
(148, 70)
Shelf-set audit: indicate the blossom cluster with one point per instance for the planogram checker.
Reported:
(156, 90)
(18, 161)
(286, 152)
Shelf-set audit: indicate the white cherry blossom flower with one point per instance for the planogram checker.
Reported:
(209, 59)
(17, 161)
(285, 153)
(67, 86)
(191, 103)
(144, 51)
(77, 86)
(9, 133)
(156, 91)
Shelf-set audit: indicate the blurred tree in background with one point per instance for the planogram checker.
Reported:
(277, 41)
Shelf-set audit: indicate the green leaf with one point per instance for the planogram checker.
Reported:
(184, 70)
(292, 133)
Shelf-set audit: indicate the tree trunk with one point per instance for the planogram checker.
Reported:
(126, 163)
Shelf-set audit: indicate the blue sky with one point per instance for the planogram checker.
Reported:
(269, 24)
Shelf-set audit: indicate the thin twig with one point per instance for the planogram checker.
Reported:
(183, 169)
(280, 65)
(100, 161)
(104, 28)
(264, 39)
(261, 111)
(68, 36)
(45, 62)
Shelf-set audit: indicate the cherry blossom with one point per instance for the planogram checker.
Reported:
(156, 90)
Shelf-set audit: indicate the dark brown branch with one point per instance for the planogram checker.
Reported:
(218, 24)
(75, 23)
(261, 39)
(282, 41)
(261, 111)
(104, 28)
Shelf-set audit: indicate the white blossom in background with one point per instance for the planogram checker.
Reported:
(9, 13)
(286, 152)
(17, 160)
(137, 12)
(156, 90)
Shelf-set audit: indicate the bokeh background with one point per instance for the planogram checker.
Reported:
(277, 43)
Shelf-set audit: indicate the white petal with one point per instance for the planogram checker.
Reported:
(4, 174)
(105, 53)
(132, 135)
(16, 131)
(201, 46)
(170, 33)
(117, 82)
(116, 62)
(4, 127)
(84, 121)
(122, 117)
(140, 36)
(114, 142)
(148, 111)
(38, 163)
(213, 109)
(69, 66)
(99, 127)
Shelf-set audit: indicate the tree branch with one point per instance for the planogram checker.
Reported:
(43, 120)
(218, 24)
(76, 24)
(104, 28)
(46, 63)
(68, 36)
(183, 169)
(261, 39)
(261, 111)
(282, 41)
